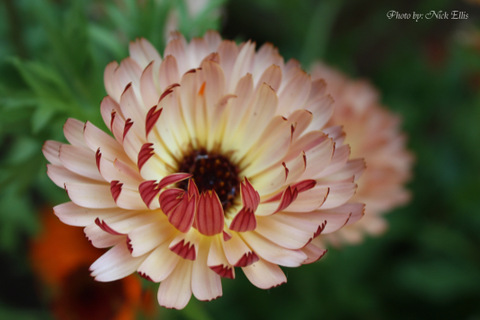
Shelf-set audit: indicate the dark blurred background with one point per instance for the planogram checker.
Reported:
(426, 266)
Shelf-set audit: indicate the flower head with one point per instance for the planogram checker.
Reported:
(373, 133)
(219, 159)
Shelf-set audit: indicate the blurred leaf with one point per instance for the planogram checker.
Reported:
(17, 219)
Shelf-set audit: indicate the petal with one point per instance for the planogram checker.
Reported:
(143, 52)
(176, 290)
(270, 147)
(74, 215)
(272, 252)
(206, 284)
(313, 252)
(61, 176)
(147, 237)
(90, 195)
(339, 194)
(288, 231)
(265, 275)
(243, 221)
(179, 207)
(159, 264)
(237, 252)
(110, 148)
(115, 264)
(73, 130)
(80, 160)
(294, 93)
(51, 152)
(217, 261)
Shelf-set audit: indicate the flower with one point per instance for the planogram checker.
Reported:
(60, 256)
(219, 159)
(373, 133)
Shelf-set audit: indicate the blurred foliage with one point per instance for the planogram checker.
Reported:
(52, 57)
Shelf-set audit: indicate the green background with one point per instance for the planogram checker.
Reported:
(427, 266)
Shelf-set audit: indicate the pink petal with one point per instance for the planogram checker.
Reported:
(73, 130)
(101, 239)
(206, 284)
(168, 73)
(217, 261)
(51, 152)
(159, 264)
(313, 252)
(71, 214)
(176, 290)
(96, 138)
(91, 195)
(273, 252)
(143, 52)
(115, 264)
(288, 231)
(80, 160)
(237, 252)
(149, 236)
(264, 274)
(294, 93)
(272, 76)
(61, 176)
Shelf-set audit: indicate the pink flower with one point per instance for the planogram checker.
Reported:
(219, 159)
(373, 133)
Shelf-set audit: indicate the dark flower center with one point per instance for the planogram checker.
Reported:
(212, 171)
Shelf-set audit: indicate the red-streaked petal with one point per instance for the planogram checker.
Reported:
(179, 207)
(146, 152)
(217, 260)
(173, 178)
(152, 117)
(224, 271)
(126, 128)
(105, 227)
(247, 259)
(148, 191)
(184, 249)
(288, 196)
(250, 197)
(244, 221)
(116, 189)
(237, 251)
(101, 239)
(209, 218)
